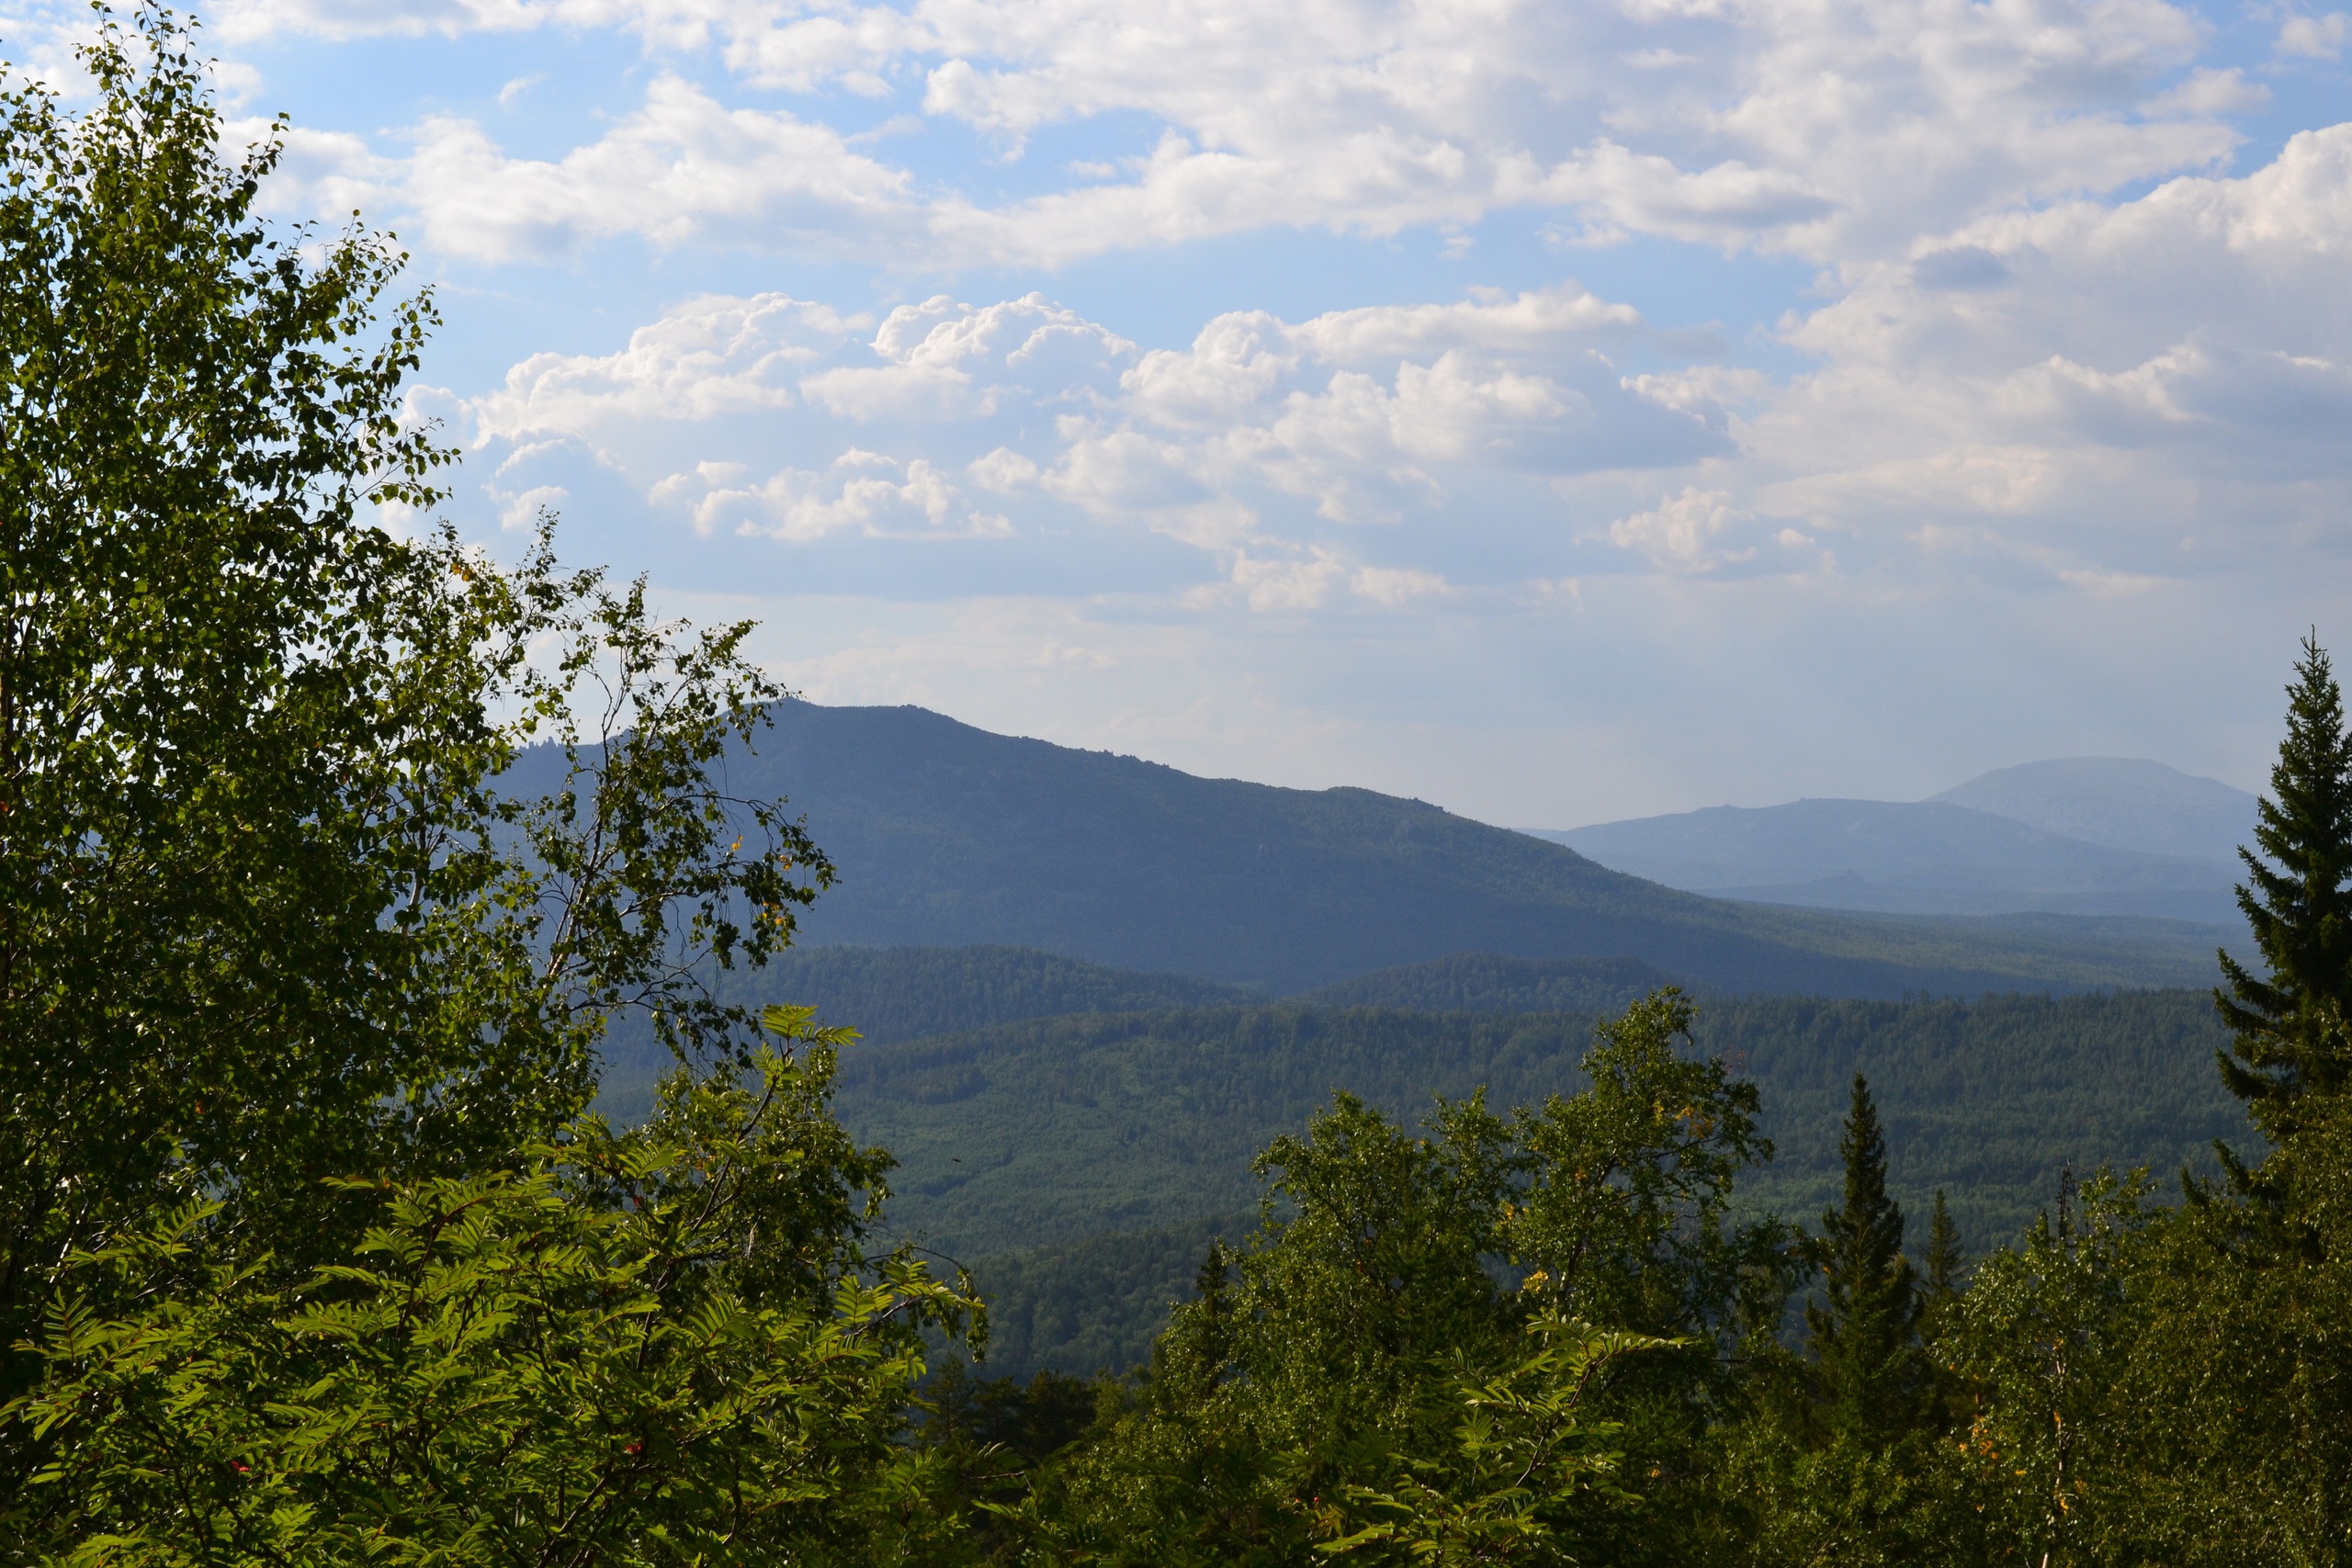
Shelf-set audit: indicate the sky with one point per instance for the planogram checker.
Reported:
(1556, 410)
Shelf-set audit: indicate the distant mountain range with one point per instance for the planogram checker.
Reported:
(2082, 836)
(948, 836)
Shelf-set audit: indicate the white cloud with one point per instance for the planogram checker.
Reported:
(2315, 38)
(1836, 132)
(2062, 393)
(707, 357)
(862, 491)
(683, 168)
(941, 359)
(2073, 391)
(1683, 532)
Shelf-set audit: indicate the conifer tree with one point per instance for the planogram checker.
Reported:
(2289, 1023)
(1864, 1333)
(1947, 1259)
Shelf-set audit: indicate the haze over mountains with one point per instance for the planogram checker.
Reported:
(2085, 835)
(947, 835)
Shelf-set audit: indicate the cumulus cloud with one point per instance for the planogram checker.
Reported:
(683, 168)
(1832, 134)
(1366, 415)
(867, 492)
(941, 359)
(2082, 388)
(707, 357)
(2315, 38)
(1267, 444)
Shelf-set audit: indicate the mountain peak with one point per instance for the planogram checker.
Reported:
(2125, 803)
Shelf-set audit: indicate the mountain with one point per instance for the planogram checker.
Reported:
(2119, 803)
(1939, 856)
(947, 835)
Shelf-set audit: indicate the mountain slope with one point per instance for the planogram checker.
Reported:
(1912, 857)
(2119, 802)
(1988, 1101)
(949, 836)
(1053, 1130)
(1488, 982)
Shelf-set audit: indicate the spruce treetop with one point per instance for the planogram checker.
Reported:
(2289, 1025)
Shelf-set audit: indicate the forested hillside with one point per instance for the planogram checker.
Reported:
(1050, 1133)
(948, 835)
(1488, 982)
(1038, 1101)
(1060, 1128)
(898, 993)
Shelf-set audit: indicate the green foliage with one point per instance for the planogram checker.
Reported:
(2046, 1335)
(1489, 982)
(2289, 1023)
(1837, 1451)
(279, 946)
(1620, 1209)
(265, 915)
(1357, 1378)
(1526, 1456)
(1068, 1127)
(1863, 1334)
(1072, 1127)
(1091, 1306)
(901, 993)
(665, 1347)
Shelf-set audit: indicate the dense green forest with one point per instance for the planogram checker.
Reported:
(1488, 982)
(312, 1252)
(899, 993)
(1057, 1128)
(1070, 1158)
(1020, 1144)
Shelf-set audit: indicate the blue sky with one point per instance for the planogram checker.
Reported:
(1559, 412)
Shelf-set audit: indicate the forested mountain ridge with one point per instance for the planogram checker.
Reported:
(1056, 1129)
(2083, 835)
(1917, 857)
(945, 835)
(1071, 1159)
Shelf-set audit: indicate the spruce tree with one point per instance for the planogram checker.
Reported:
(2288, 1025)
(1864, 1333)
(1947, 1259)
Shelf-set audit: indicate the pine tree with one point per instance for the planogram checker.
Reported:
(1947, 1259)
(2290, 1031)
(1864, 1333)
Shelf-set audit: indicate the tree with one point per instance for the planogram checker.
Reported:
(2069, 1458)
(1356, 1379)
(1947, 1258)
(286, 895)
(2289, 1023)
(270, 910)
(668, 1346)
(1627, 1188)
(1864, 1332)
